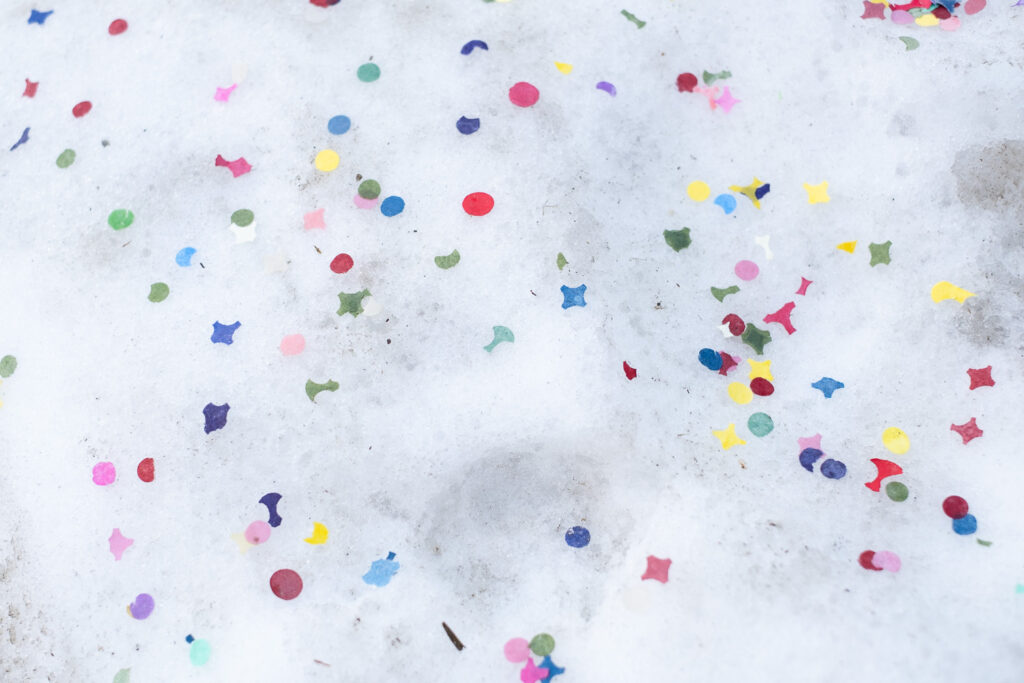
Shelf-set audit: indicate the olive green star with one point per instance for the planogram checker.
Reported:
(352, 303)
(880, 252)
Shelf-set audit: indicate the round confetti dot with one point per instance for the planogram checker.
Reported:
(146, 470)
(326, 160)
(142, 607)
(8, 364)
(966, 525)
(760, 424)
(950, 24)
(578, 537)
(517, 650)
(364, 203)
(740, 393)
(467, 126)
(710, 359)
(523, 94)
(542, 644)
(258, 532)
(66, 158)
(735, 323)
(117, 27)
(955, 507)
(975, 6)
(293, 344)
(901, 16)
(199, 652)
(81, 109)
(119, 219)
(368, 72)
(338, 125)
(833, 469)
(369, 189)
(896, 440)
(698, 190)
(746, 270)
(478, 203)
(886, 560)
(686, 82)
(727, 203)
(104, 473)
(342, 263)
(286, 584)
(897, 491)
(392, 206)
(762, 387)
(242, 217)
(865, 560)
(158, 291)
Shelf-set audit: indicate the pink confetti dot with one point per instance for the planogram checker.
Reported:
(517, 650)
(901, 16)
(293, 344)
(117, 27)
(104, 473)
(886, 560)
(523, 94)
(257, 532)
(746, 270)
(365, 203)
(951, 24)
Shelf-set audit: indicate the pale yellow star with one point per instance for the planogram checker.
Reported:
(817, 194)
(760, 368)
(728, 437)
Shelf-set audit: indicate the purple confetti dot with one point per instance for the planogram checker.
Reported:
(143, 606)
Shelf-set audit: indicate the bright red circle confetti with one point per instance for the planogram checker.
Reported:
(117, 27)
(146, 470)
(81, 109)
(686, 82)
(865, 560)
(761, 386)
(523, 94)
(478, 203)
(342, 263)
(955, 507)
(286, 584)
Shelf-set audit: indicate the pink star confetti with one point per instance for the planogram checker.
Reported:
(314, 220)
(118, 544)
(873, 10)
(968, 430)
(531, 673)
(237, 167)
(804, 284)
(727, 101)
(810, 442)
(657, 569)
(981, 378)
(224, 93)
(781, 316)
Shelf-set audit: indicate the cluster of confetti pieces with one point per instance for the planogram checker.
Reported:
(542, 645)
(877, 561)
(719, 97)
(964, 523)
(924, 13)
(810, 453)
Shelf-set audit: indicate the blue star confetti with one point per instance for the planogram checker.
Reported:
(828, 386)
(222, 334)
(38, 17)
(552, 669)
(573, 296)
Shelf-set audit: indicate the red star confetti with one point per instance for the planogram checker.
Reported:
(237, 167)
(981, 378)
(873, 10)
(968, 430)
(657, 569)
(781, 317)
(804, 284)
(30, 88)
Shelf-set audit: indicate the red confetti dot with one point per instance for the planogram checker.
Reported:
(342, 263)
(630, 371)
(117, 27)
(146, 470)
(81, 109)
(761, 386)
(736, 324)
(865, 560)
(286, 584)
(523, 94)
(955, 507)
(686, 82)
(478, 203)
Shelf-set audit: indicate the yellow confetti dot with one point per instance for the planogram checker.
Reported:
(741, 393)
(817, 194)
(848, 247)
(927, 20)
(326, 160)
(760, 368)
(698, 190)
(947, 290)
(896, 440)
(728, 437)
(563, 67)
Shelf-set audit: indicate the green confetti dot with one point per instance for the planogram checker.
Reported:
(199, 653)
(123, 676)
(560, 261)
(449, 261)
(119, 219)
(158, 291)
(368, 72)
(677, 239)
(760, 424)
(242, 217)
(66, 158)
(896, 491)
(369, 189)
(542, 645)
(8, 364)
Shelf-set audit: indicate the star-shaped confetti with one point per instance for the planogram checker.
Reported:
(223, 94)
(573, 296)
(657, 569)
(728, 437)
(751, 191)
(880, 253)
(237, 167)
(727, 101)
(314, 220)
(216, 417)
(38, 17)
(760, 368)
(873, 11)
(352, 303)
(222, 334)
(118, 544)
(981, 378)
(30, 88)
(532, 674)
(828, 386)
(756, 338)
(781, 317)
(817, 194)
(552, 669)
(804, 284)
(968, 430)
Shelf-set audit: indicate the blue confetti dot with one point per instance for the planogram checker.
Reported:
(184, 257)
(727, 202)
(833, 469)
(808, 457)
(966, 525)
(467, 126)
(392, 206)
(710, 359)
(338, 125)
(577, 537)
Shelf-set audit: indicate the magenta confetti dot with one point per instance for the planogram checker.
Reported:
(142, 607)
(104, 473)
(257, 532)
(746, 270)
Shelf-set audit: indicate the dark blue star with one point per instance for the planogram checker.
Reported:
(22, 140)
(552, 669)
(827, 386)
(38, 17)
(573, 296)
(222, 333)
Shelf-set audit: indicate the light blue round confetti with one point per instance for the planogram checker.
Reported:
(966, 525)
(727, 202)
(184, 257)
(339, 125)
(392, 206)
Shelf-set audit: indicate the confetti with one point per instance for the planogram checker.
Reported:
(158, 291)
(629, 370)
(326, 160)
(449, 261)
(30, 88)
(657, 569)
(573, 296)
(677, 239)
(686, 82)
(8, 364)
(632, 17)
(312, 388)
(392, 206)
(560, 261)
(286, 584)
(720, 294)
(727, 437)
(880, 253)
(804, 284)
(37, 17)
(314, 220)
(478, 203)
(884, 468)
(942, 291)
(118, 544)
(698, 191)
(756, 338)
(469, 47)
(223, 94)
(119, 219)
(760, 424)
(563, 67)
(146, 470)
(577, 537)
(66, 158)
(517, 650)
(501, 334)
(523, 94)
(319, 536)
(896, 440)
(727, 202)
(142, 607)
(368, 73)
(271, 500)
(381, 571)
(216, 417)
(117, 27)
(184, 257)
(968, 431)
(21, 141)
(817, 194)
(352, 303)
(258, 532)
(981, 377)
(848, 247)
(897, 491)
(341, 264)
(338, 125)
(224, 334)
(199, 651)
(607, 87)
(754, 191)
(910, 43)
(746, 270)
(292, 344)
(237, 167)
(828, 386)
(467, 126)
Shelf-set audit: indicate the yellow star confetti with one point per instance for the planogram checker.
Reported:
(848, 247)
(563, 67)
(760, 368)
(817, 194)
(947, 290)
(728, 437)
(749, 191)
